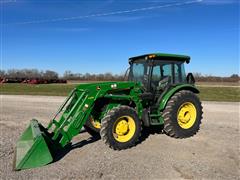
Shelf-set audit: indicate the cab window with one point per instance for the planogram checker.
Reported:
(156, 76)
(179, 73)
(167, 70)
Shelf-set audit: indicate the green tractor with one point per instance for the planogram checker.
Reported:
(157, 92)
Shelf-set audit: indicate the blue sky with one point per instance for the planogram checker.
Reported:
(99, 36)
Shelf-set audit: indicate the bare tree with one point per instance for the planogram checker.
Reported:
(50, 75)
(2, 74)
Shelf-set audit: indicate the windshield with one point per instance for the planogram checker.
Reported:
(138, 71)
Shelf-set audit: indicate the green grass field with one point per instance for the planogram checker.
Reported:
(207, 93)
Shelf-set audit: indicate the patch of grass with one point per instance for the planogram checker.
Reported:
(231, 94)
(41, 89)
(218, 84)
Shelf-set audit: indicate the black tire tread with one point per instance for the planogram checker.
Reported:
(105, 128)
(168, 115)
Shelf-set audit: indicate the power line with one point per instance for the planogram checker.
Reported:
(106, 14)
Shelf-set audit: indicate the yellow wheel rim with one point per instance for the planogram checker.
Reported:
(95, 124)
(124, 129)
(187, 115)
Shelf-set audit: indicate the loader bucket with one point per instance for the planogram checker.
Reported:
(32, 148)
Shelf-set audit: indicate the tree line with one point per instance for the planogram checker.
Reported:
(15, 75)
(28, 74)
(93, 77)
(23, 74)
(210, 78)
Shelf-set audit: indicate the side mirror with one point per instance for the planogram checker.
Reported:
(190, 78)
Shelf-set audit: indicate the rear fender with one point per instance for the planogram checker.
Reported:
(170, 93)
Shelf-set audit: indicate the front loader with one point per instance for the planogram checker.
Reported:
(157, 92)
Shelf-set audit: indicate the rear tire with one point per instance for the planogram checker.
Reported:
(121, 128)
(182, 115)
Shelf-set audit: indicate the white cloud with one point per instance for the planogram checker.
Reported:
(179, 4)
(219, 2)
(72, 29)
(120, 18)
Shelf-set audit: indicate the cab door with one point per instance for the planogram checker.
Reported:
(162, 74)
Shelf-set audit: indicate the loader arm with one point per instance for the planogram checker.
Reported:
(77, 108)
(38, 141)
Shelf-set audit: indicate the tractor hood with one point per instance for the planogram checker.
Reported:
(108, 85)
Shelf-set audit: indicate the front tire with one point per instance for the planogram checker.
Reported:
(182, 115)
(121, 128)
(92, 127)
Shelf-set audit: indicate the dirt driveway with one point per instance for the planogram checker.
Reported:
(213, 153)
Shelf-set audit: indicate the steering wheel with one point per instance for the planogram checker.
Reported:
(162, 83)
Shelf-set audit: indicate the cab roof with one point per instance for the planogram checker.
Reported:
(161, 56)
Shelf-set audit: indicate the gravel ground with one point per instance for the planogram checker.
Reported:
(212, 154)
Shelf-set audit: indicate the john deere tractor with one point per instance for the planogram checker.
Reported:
(156, 92)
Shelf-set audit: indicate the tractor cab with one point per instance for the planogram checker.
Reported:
(159, 72)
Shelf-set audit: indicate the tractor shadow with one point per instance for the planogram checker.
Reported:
(147, 131)
(60, 153)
